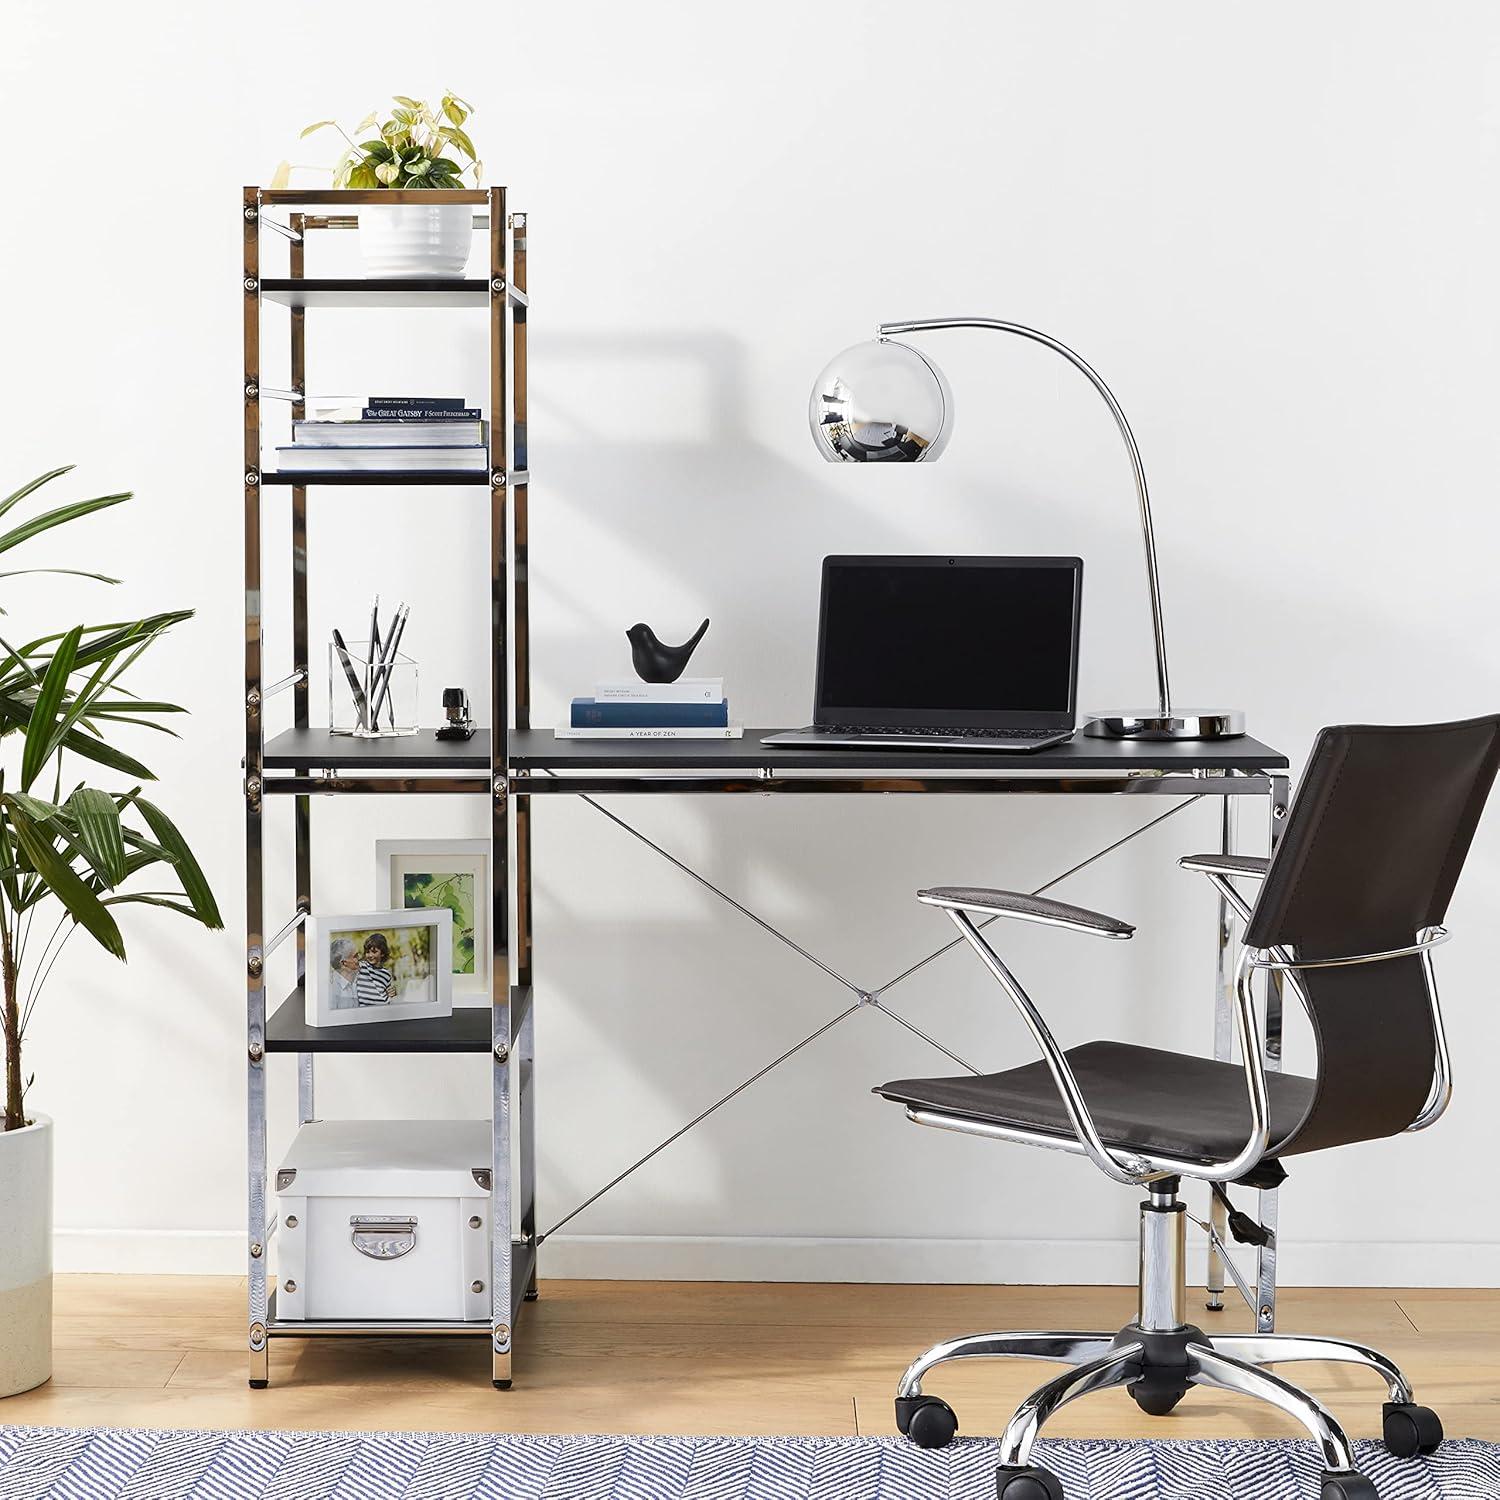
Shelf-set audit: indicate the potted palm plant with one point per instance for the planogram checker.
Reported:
(71, 855)
(409, 150)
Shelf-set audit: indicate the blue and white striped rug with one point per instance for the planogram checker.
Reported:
(69, 1463)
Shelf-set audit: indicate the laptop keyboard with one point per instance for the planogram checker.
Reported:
(907, 731)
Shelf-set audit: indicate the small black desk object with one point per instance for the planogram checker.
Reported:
(457, 722)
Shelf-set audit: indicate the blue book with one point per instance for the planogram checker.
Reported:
(589, 713)
(419, 411)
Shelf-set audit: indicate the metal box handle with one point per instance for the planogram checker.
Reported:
(381, 1238)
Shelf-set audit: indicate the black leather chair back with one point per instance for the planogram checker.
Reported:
(1374, 844)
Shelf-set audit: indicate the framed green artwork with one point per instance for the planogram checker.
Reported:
(451, 875)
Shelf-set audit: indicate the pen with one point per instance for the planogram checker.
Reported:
(388, 664)
(373, 654)
(360, 702)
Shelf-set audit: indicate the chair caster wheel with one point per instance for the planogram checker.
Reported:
(927, 1420)
(1409, 1430)
(259, 1385)
(1348, 1485)
(501, 1385)
(1155, 1403)
(1028, 1483)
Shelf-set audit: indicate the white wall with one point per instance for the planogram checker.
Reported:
(1273, 228)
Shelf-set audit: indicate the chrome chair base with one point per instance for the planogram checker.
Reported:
(1158, 1359)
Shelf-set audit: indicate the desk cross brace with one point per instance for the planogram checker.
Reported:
(871, 998)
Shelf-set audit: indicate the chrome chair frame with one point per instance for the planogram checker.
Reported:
(1102, 1360)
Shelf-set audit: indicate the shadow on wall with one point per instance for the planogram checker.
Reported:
(667, 487)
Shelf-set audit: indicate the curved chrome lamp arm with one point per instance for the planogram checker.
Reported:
(1137, 468)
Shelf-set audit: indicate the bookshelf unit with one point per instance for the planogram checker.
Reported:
(302, 761)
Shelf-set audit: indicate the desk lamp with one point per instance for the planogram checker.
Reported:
(886, 402)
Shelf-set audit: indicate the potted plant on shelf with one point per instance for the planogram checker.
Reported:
(406, 240)
(79, 851)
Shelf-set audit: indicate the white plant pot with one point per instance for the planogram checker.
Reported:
(25, 1256)
(408, 240)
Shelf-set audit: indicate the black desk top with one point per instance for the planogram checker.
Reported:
(540, 749)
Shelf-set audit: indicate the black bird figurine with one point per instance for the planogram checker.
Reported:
(655, 662)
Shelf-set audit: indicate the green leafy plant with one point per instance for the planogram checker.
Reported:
(83, 849)
(408, 151)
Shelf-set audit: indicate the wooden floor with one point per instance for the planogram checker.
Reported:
(675, 1357)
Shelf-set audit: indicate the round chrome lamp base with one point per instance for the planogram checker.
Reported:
(1179, 724)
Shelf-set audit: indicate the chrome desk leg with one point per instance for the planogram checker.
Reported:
(302, 818)
(306, 1098)
(1223, 1043)
(255, 988)
(526, 1138)
(1269, 1198)
(501, 1305)
(502, 1255)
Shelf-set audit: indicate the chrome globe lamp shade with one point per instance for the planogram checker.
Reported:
(881, 402)
(884, 401)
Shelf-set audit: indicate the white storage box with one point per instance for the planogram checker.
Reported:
(385, 1219)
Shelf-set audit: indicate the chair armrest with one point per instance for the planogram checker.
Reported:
(1276, 958)
(1121, 1166)
(1249, 866)
(1024, 908)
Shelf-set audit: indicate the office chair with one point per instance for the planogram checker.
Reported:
(1348, 911)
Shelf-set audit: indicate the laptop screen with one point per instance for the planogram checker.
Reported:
(987, 642)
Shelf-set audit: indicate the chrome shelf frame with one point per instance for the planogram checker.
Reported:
(511, 1048)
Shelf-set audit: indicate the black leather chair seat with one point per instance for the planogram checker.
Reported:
(1141, 1099)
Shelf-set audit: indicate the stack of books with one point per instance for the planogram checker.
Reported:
(693, 708)
(406, 434)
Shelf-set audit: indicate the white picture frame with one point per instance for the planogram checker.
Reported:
(400, 863)
(419, 986)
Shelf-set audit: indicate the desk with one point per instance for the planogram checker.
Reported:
(543, 765)
(511, 769)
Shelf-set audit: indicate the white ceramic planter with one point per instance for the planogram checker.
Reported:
(25, 1256)
(409, 240)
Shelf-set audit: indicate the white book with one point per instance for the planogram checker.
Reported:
(388, 434)
(684, 690)
(314, 460)
(732, 732)
(335, 408)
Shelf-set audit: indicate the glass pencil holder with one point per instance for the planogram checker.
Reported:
(367, 700)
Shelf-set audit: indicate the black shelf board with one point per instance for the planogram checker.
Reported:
(305, 479)
(541, 750)
(466, 1030)
(431, 291)
(308, 750)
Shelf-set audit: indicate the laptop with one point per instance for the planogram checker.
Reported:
(960, 653)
